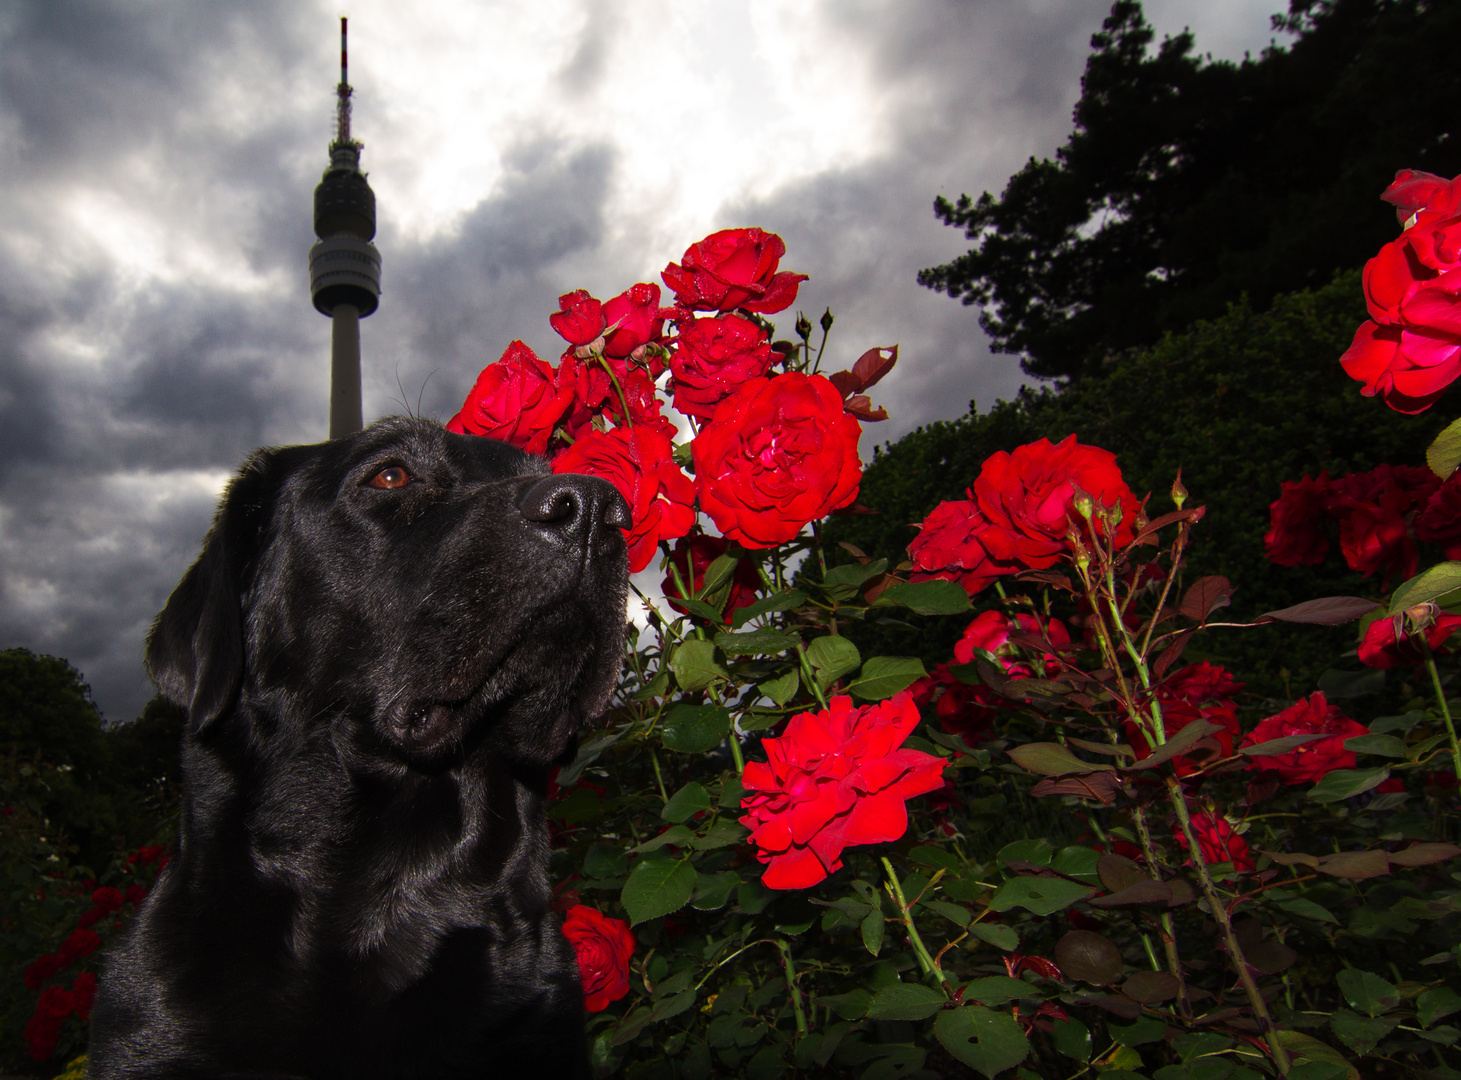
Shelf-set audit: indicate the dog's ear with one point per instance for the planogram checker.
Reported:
(195, 652)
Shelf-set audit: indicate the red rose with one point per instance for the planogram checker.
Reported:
(1199, 684)
(581, 319)
(777, 454)
(691, 556)
(713, 357)
(1312, 760)
(634, 319)
(1386, 646)
(136, 894)
(40, 970)
(1177, 713)
(991, 631)
(1218, 841)
(81, 942)
(603, 946)
(1295, 534)
(733, 268)
(106, 899)
(1439, 521)
(44, 1027)
(1022, 511)
(637, 461)
(518, 399)
(593, 395)
(83, 994)
(832, 780)
(963, 710)
(1413, 191)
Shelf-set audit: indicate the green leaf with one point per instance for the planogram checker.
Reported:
(759, 719)
(906, 1001)
(1366, 992)
(605, 861)
(781, 688)
(1052, 759)
(690, 799)
(675, 834)
(997, 990)
(656, 687)
(657, 887)
(722, 834)
(718, 573)
(712, 891)
(1444, 452)
(1360, 1033)
(981, 1038)
(955, 913)
(872, 932)
(763, 642)
(1073, 1039)
(1043, 896)
(694, 729)
(672, 1006)
(1381, 745)
(702, 611)
(1306, 909)
(1077, 862)
(695, 665)
(776, 602)
(1274, 747)
(850, 1006)
(884, 676)
(842, 581)
(1144, 1029)
(996, 934)
(1345, 783)
(1434, 1004)
(752, 897)
(832, 657)
(1427, 585)
(926, 597)
(1037, 851)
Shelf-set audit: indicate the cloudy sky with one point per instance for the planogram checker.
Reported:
(156, 167)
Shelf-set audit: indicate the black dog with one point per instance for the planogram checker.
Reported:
(386, 642)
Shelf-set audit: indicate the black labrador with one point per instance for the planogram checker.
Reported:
(386, 642)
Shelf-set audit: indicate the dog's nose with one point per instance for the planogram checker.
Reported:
(572, 502)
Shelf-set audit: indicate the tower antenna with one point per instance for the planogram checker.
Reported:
(343, 90)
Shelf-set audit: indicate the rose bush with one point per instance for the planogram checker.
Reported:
(734, 268)
(1310, 761)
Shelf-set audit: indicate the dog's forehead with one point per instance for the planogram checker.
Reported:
(427, 446)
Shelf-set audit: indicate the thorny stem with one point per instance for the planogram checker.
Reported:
(925, 960)
(809, 675)
(1169, 930)
(658, 779)
(1177, 546)
(796, 997)
(1225, 925)
(1430, 664)
(619, 390)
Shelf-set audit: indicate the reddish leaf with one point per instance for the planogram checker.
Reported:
(1261, 788)
(1325, 611)
(1047, 577)
(1117, 872)
(1355, 865)
(1271, 957)
(855, 551)
(1102, 787)
(1205, 596)
(1151, 986)
(1182, 892)
(1192, 514)
(1297, 858)
(872, 365)
(845, 381)
(1089, 957)
(1172, 652)
(1184, 742)
(1142, 892)
(1117, 1005)
(861, 406)
(855, 508)
(1424, 854)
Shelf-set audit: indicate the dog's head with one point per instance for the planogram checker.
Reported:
(429, 588)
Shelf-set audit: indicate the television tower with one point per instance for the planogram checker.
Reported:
(344, 266)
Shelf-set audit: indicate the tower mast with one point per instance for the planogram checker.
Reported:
(344, 266)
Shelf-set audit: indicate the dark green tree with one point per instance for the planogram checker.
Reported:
(1189, 182)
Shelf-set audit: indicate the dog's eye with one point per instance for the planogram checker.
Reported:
(392, 476)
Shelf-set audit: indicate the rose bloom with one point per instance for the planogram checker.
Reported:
(1439, 521)
(991, 631)
(1382, 648)
(691, 556)
(945, 539)
(834, 779)
(1295, 534)
(1177, 713)
(603, 946)
(518, 399)
(713, 357)
(637, 461)
(79, 943)
(44, 1027)
(963, 710)
(636, 319)
(733, 268)
(1218, 841)
(1023, 510)
(1311, 761)
(777, 454)
(580, 320)
(1199, 684)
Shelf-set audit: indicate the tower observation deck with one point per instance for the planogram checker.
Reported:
(344, 266)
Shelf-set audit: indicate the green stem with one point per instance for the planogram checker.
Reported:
(619, 390)
(796, 996)
(1430, 663)
(658, 779)
(735, 749)
(809, 675)
(1225, 924)
(1169, 930)
(925, 959)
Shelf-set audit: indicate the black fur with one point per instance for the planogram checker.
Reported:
(378, 680)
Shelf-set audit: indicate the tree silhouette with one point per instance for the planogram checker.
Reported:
(1189, 182)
